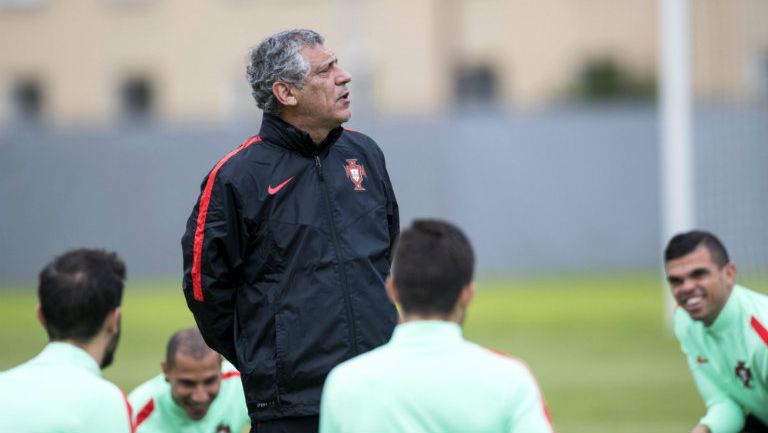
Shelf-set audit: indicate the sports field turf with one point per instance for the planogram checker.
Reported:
(598, 346)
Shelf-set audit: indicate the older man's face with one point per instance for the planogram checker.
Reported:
(323, 101)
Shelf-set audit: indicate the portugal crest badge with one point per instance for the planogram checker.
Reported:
(355, 173)
(743, 374)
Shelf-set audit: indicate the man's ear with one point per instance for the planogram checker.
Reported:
(392, 290)
(39, 315)
(164, 367)
(112, 322)
(729, 270)
(467, 293)
(284, 93)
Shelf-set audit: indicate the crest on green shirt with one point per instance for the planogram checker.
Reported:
(743, 374)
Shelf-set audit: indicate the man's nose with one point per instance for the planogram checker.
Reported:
(200, 395)
(687, 285)
(344, 77)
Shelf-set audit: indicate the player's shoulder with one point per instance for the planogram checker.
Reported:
(496, 361)
(111, 407)
(756, 301)
(231, 381)
(503, 373)
(755, 304)
(147, 391)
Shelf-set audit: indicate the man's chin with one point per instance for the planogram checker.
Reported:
(197, 414)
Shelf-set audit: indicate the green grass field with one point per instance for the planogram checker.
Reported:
(598, 346)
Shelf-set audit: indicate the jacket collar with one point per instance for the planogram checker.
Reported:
(276, 130)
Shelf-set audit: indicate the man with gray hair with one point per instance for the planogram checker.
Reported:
(288, 247)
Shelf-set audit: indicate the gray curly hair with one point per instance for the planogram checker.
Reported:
(277, 58)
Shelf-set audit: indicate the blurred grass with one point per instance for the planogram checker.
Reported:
(598, 345)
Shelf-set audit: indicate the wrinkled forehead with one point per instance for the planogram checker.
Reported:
(317, 56)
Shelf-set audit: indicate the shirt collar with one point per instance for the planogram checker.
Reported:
(420, 331)
(729, 314)
(59, 352)
(177, 411)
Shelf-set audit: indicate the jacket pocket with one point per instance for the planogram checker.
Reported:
(281, 347)
(256, 354)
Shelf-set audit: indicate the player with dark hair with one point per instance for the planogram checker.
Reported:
(196, 392)
(61, 389)
(721, 329)
(288, 247)
(428, 378)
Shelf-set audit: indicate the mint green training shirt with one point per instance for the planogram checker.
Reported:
(429, 379)
(729, 360)
(156, 412)
(61, 391)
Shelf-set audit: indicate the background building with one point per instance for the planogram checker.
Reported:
(98, 61)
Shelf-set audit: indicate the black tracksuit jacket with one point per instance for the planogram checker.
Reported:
(285, 256)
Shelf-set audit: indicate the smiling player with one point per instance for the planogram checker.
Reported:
(721, 329)
(195, 393)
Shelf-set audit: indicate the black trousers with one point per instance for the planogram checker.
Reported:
(304, 424)
(754, 425)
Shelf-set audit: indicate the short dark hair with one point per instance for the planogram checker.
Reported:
(188, 341)
(77, 290)
(684, 243)
(433, 262)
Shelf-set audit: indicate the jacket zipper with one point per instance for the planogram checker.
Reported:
(337, 249)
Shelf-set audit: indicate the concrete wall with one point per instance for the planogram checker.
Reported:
(561, 190)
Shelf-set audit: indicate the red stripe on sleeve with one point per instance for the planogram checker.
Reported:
(145, 412)
(760, 329)
(230, 374)
(130, 412)
(205, 199)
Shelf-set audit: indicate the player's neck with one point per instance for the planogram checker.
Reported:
(96, 347)
(455, 317)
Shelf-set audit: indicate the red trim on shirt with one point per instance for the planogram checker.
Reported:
(130, 412)
(230, 374)
(544, 406)
(205, 200)
(145, 412)
(760, 329)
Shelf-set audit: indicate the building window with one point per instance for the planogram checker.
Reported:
(475, 85)
(27, 100)
(137, 98)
